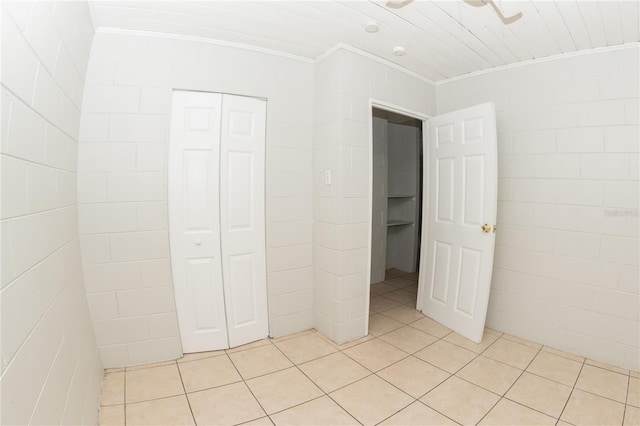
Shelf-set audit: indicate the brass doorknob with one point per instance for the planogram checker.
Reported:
(486, 228)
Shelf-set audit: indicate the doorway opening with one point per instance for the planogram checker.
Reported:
(396, 218)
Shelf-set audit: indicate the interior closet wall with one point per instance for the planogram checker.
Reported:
(122, 192)
(404, 196)
(566, 261)
(51, 371)
(345, 82)
(380, 191)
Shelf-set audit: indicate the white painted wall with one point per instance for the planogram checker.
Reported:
(345, 82)
(122, 184)
(50, 369)
(566, 266)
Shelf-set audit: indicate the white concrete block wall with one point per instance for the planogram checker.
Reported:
(345, 83)
(122, 184)
(50, 368)
(567, 263)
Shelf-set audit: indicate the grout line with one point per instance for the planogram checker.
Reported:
(186, 396)
(249, 388)
(314, 383)
(124, 374)
(572, 389)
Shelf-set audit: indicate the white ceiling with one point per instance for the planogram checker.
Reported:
(443, 39)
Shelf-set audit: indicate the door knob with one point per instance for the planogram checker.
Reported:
(486, 228)
(199, 242)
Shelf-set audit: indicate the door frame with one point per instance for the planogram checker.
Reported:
(388, 106)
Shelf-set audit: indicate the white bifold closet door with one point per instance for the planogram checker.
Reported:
(216, 219)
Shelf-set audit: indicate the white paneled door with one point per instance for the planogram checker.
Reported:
(242, 218)
(460, 213)
(216, 197)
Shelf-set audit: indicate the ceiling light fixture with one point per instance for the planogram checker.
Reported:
(505, 19)
(372, 27)
(397, 4)
(399, 51)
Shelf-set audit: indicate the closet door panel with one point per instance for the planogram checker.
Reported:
(242, 218)
(194, 224)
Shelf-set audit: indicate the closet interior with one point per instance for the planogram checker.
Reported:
(397, 195)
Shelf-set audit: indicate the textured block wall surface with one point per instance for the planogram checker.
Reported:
(345, 82)
(122, 193)
(566, 263)
(50, 368)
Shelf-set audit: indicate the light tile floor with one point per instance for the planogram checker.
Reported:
(410, 370)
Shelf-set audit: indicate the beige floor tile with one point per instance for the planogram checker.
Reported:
(607, 366)
(584, 408)
(112, 389)
(489, 374)
(283, 389)
(522, 341)
(633, 393)
(371, 400)
(355, 342)
(456, 339)
(603, 382)
(321, 411)
(446, 356)
(510, 413)
(402, 282)
(431, 327)
(334, 371)
(262, 421)
(413, 376)
(408, 339)
(114, 370)
(404, 314)
(631, 416)
(305, 348)
(635, 374)
(230, 404)
(555, 367)
(294, 335)
(153, 383)
(252, 345)
(492, 331)
(165, 411)
(381, 304)
(200, 355)
(375, 354)
(403, 296)
(540, 394)
(154, 364)
(258, 361)
(208, 373)
(112, 415)
(418, 414)
(381, 324)
(461, 401)
(512, 353)
(394, 273)
(563, 354)
(381, 288)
